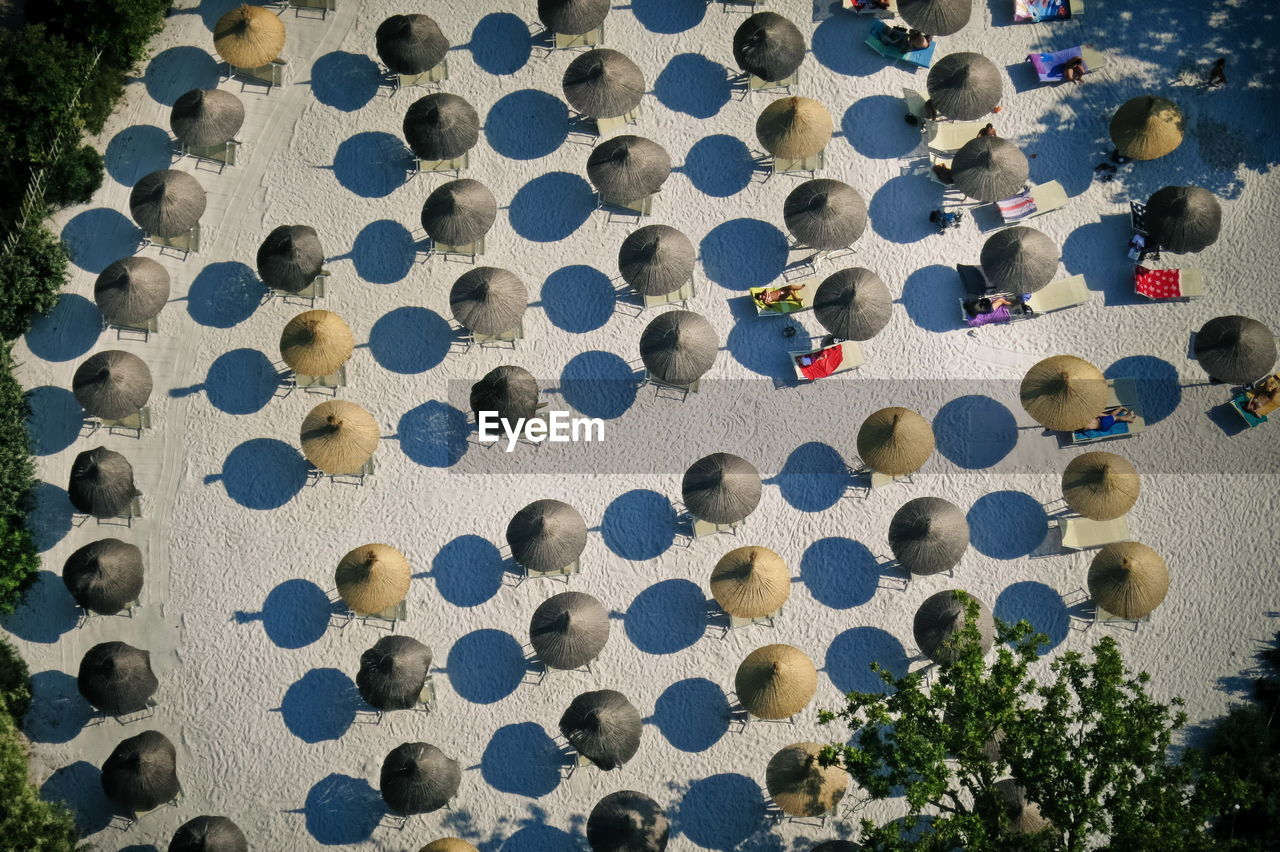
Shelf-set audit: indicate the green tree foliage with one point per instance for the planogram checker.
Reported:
(19, 560)
(15, 683)
(30, 277)
(75, 177)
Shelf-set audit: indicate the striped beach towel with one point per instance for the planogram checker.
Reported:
(1020, 206)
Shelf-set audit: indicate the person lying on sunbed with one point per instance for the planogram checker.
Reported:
(1108, 418)
(1074, 69)
(1264, 397)
(895, 37)
(771, 296)
(985, 311)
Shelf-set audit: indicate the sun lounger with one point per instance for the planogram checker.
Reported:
(915, 105)
(651, 379)
(333, 381)
(1251, 419)
(608, 125)
(1121, 393)
(737, 621)
(437, 73)
(1046, 10)
(1086, 534)
(1050, 67)
(324, 7)
(759, 84)
(1035, 200)
(1001, 316)
(1138, 216)
(638, 207)
(308, 295)
(1168, 284)
(455, 165)
(784, 166)
(786, 306)
(675, 297)
(510, 336)
(136, 422)
(863, 7)
(828, 361)
(186, 242)
(919, 58)
(471, 250)
(591, 38)
(949, 136)
(1057, 295)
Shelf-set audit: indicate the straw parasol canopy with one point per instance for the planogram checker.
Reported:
(316, 343)
(488, 300)
(101, 483)
(205, 117)
(679, 347)
(112, 384)
(132, 290)
(794, 128)
(572, 17)
(1147, 127)
(936, 17)
(417, 778)
(393, 672)
(167, 203)
(372, 578)
(1024, 816)
(249, 36)
(1183, 218)
(928, 535)
(1235, 349)
(104, 576)
(656, 260)
(290, 258)
(141, 772)
(1019, 259)
(853, 304)
(117, 678)
(775, 682)
(449, 844)
(603, 83)
(459, 212)
(988, 168)
(339, 437)
(965, 85)
(1128, 579)
(800, 785)
(941, 617)
(604, 727)
(569, 630)
(768, 46)
(895, 441)
(546, 535)
(750, 582)
(209, 834)
(511, 391)
(627, 821)
(825, 214)
(441, 126)
(1101, 486)
(1063, 392)
(410, 44)
(721, 488)
(628, 168)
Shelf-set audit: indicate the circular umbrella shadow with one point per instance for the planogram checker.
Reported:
(344, 81)
(668, 616)
(1007, 524)
(639, 525)
(371, 164)
(383, 252)
(137, 151)
(551, 207)
(468, 571)
(521, 759)
(68, 331)
(172, 73)
(578, 298)
(55, 420)
(527, 124)
(263, 473)
(839, 572)
(598, 384)
(975, 431)
(850, 655)
(58, 711)
(719, 166)
(485, 666)
(500, 43)
(693, 714)
(875, 128)
(320, 706)
(813, 477)
(224, 294)
(342, 810)
(692, 84)
(1038, 604)
(743, 253)
(721, 812)
(434, 434)
(409, 340)
(669, 16)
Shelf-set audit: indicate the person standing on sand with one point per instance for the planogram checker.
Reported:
(1218, 73)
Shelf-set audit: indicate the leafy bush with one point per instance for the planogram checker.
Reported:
(74, 178)
(15, 683)
(26, 821)
(30, 278)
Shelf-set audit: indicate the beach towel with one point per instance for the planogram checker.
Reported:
(1041, 10)
(1049, 66)
(1118, 428)
(1020, 206)
(1157, 283)
(999, 315)
(820, 364)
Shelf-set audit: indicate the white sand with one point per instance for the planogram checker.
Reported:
(258, 697)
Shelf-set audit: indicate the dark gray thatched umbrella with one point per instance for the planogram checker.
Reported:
(1183, 218)
(393, 672)
(936, 17)
(209, 834)
(117, 678)
(572, 17)
(941, 617)
(509, 390)
(1024, 815)
(132, 290)
(604, 727)
(417, 778)
(768, 46)
(1235, 349)
(678, 347)
(721, 488)
(853, 304)
(569, 630)
(167, 203)
(656, 260)
(628, 168)
(825, 214)
(141, 772)
(965, 85)
(410, 44)
(459, 212)
(488, 300)
(1019, 259)
(603, 83)
(112, 384)
(205, 117)
(441, 126)
(101, 483)
(928, 535)
(988, 168)
(546, 535)
(290, 258)
(104, 576)
(627, 821)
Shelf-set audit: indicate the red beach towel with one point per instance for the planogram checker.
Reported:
(1157, 283)
(820, 364)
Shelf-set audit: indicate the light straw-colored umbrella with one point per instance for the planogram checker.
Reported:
(1147, 127)
(205, 117)
(988, 168)
(628, 168)
(895, 441)
(656, 260)
(449, 844)
(393, 672)
(546, 535)
(794, 128)
(965, 86)
(572, 17)
(604, 727)
(459, 212)
(410, 44)
(768, 46)
(1128, 579)
(141, 773)
(776, 682)
(1101, 486)
(941, 617)
(679, 347)
(509, 390)
(853, 304)
(338, 437)
(721, 488)
(372, 578)
(1063, 392)
(132, 290)
(825, 214)
(209, 834)
(1183, 218)
(936, 17)
(488, 300)
(603, 83)
(1019, 259)
(290, 258)
(117, 678)
(112, 384)
(750, 582)
(627, 821)
(1235, 349)
(101, 483)
(167, 203)
(1024, 816)
(249, 36)
(569, 630)
(418, 778)
(928, 535)
(800, 785)
(316, 343)
(104, 576)
(441, 126)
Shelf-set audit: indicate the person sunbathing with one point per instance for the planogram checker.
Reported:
(989, 130)
(770, 296)
(917, 40)
(895, 37)
(985, 311)
(1108, 418)
(1265, 396)
(1074, 69)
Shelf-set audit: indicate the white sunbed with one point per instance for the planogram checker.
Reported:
(1063, 293)
(951, 135)
(1086, 534)
(1045, 198)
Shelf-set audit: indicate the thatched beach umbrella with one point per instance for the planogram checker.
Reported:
(794, 128)
(801, 786)
(656, 260)
(825, 214)
(1147, 127)
(679, 347)
(441, 126)
(1019, 259)
(936, 17)
(604, 727)
(603, 83)
(775, 682)
(249, 36)
(1128, 579)
(627, 821)
(1183, 218)
(546, 535)
(393, 672)
(941, 617)
(117, 678)
(895, 441)
(1024, 816)
(141, 773)
(988, 168)
(290, 258)
(1063, 392)
(1235, 349)
(853, 304)
(768, 46)
(209, 834)
(112, 384)
(965, 85)
(104, 576)
(418, 778)
(205, 117)
(509, 390)
(410, 44)
(316, 343)
(338, 437)
(488, 300)
(459, 212)
(449, 844)
(721, 488)
(1101, 486)
(628, 168)
(750, 582)
(572, 17)
(928, 535)
(167, 203)
(372, 578)
(132, 290)
(569, 630)
(101, 483)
